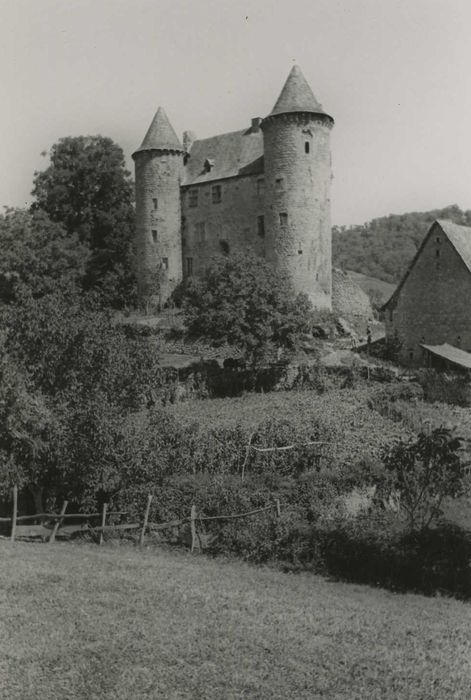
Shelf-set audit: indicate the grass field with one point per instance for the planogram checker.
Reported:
(78, 621)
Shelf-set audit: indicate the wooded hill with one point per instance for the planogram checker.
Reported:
(384, 247)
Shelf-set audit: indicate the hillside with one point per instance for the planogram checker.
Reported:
(113, 622)
(384, 247)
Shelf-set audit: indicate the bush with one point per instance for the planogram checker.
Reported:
(375, 551)
(454, 389)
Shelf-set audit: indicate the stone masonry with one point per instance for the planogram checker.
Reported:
(264, 189)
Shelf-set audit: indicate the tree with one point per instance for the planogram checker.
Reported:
(421, 473)
(36, 254)
(242, 301)
(87, 189)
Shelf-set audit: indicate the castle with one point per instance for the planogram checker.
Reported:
(265, 188)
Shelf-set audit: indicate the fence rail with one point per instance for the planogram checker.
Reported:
(31, 531)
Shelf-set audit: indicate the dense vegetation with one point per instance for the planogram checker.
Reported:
(384, 247)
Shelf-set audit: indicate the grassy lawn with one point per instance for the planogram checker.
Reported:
(77, 621)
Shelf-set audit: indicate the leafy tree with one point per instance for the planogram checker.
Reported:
(87, 189)
(421, 473)
(37, 254)
(242, 301)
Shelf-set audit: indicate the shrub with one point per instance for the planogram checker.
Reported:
(453, 389)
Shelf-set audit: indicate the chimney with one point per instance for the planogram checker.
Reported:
(188, 138)
(256, 121)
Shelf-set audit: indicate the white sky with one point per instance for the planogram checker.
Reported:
(395, 75)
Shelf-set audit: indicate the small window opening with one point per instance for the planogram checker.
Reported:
(300, 248)
(279, 183)
(200, 229)
(411, 354)
(154, 235)
(437, 253)
(189, 266)
(261, 226)
(216, 194)
(224, 247)
(307, 147)
(193, 198)
(165, 263)
(155, 203)
(458, 341)
(438, 239)
(283, 218)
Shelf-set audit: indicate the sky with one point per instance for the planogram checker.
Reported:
(394, 74)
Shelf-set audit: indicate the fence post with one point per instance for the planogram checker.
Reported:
(193, 527)
(58, 522)
(15, 513)
(103, 521)
(146, 518)
(278, 509)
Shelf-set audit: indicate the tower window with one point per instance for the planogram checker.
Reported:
(300, 248)
(279, 183)
(193, 198)
(154, 235)
(165, 263)
(437, 253)
(224, 247)
(261, 226)
(307, 147)
(200, 230)
(189, 266)
(155, 203)
(216, 193)
(283, 218)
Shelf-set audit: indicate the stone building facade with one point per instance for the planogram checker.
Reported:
(265, 188)
(431, 305)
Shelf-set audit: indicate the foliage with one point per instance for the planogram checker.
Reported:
(421, 473)
(36, 254)
(87, 189)
(450, 388)
(384, 247)
(373, 550)
(242, 301)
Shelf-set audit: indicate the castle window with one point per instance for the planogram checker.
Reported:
(437, 253)
(189, 266)
(165, 263)
(154, 235)
(307, 147)
(200, 230)
(224, 247)
(283, 218)
(261, 226)
(155, 203)
(260, 187)
(279, 183)
(300, 248)
(193, 198)
(216, 193)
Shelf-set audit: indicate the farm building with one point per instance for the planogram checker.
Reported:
(430, 311)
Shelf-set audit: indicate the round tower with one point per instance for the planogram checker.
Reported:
(158, 172)
(297, 190)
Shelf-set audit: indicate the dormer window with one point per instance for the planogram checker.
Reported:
(208, 165)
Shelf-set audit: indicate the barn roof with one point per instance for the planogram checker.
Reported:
(296, 96)
(460, 239)
(451, 353)
(227, 155)
(160, 135)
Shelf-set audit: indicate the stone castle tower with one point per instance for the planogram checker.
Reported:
(265, 189)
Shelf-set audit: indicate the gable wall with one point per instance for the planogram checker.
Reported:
(434, 304)
(233, 220)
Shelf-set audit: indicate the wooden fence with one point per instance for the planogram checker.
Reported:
(18, 530)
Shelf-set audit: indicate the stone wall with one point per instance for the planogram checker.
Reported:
(433, 306)
(297, 201)
(348, 298)
(225, 226)
(158, 223)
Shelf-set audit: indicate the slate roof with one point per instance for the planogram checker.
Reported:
(450, 352)
(296, 96)
(160, 134)
(236, 153)
(460, 239)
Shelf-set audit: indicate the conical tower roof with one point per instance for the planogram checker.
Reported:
(297, 96)
(160, 135)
